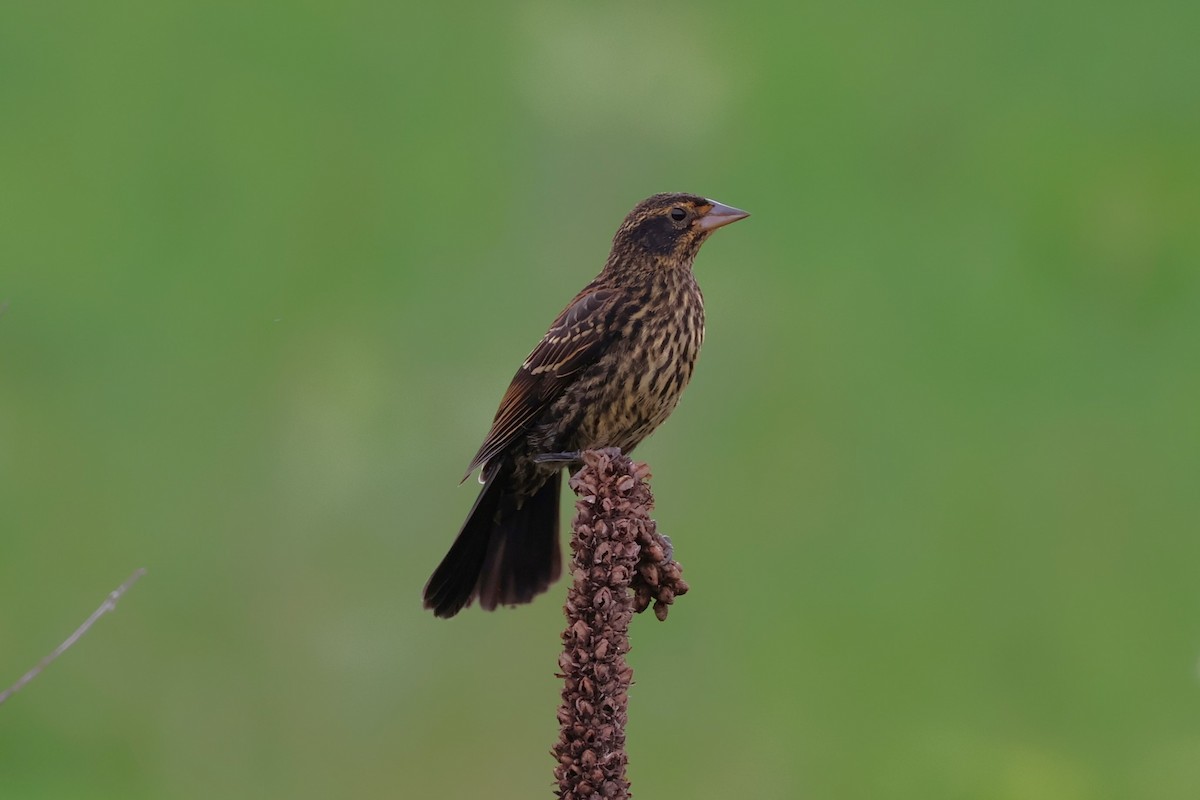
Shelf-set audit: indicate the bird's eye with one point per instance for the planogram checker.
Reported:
(678, 214)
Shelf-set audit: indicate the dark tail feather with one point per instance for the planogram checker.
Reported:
(505, 555)
(452, 585)
(523, 557)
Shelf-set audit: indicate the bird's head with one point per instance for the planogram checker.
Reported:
(666, 231)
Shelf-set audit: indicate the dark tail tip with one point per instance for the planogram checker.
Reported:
(452, 585)
(449, 590)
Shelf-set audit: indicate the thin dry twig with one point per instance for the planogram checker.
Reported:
(109, 604)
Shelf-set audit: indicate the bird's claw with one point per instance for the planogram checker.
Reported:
(572, 457)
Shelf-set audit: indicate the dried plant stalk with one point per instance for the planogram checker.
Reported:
(621, 565)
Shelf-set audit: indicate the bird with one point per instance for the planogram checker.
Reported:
(610, 370)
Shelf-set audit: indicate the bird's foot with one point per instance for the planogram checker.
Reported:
(572, 457)
(668, 547)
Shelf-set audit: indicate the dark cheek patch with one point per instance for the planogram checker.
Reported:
(657, 235)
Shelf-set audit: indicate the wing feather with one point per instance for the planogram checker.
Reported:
(575, 340)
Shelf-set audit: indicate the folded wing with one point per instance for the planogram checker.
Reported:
(578, 336)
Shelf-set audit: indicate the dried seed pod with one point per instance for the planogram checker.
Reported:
(621, 565)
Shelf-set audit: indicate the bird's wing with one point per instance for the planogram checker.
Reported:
(574, 341)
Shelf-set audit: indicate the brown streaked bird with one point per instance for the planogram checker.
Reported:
(607, 373)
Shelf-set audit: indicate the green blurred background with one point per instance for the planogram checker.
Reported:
(936, 484)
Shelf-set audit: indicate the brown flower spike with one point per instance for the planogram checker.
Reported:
(621, 564)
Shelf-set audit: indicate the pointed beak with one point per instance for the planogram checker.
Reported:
(720, 215)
